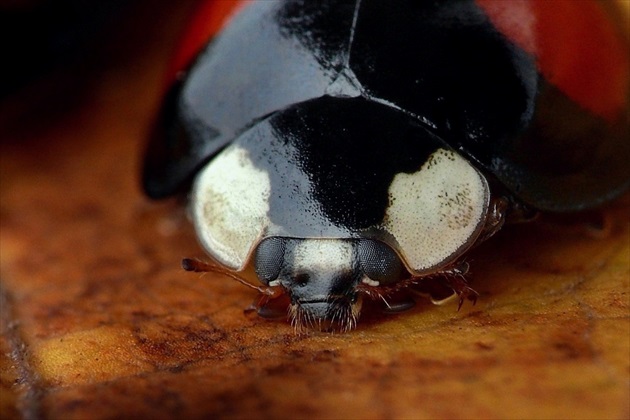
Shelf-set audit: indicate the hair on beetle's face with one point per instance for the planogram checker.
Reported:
(321, 276)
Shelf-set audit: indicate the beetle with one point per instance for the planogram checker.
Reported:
(348, 150)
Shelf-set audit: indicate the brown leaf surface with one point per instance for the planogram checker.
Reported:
(99, 321)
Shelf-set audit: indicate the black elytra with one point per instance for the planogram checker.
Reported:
(334, 101)
(443, 64)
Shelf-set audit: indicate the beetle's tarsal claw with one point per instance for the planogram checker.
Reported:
(466, 293)
(456, 280)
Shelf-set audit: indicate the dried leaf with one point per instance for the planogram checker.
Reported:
(99, 321)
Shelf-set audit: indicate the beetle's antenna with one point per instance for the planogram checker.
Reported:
(197, 266)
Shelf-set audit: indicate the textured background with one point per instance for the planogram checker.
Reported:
(99, 321)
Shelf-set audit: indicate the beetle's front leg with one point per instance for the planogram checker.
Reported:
(273, 305)
(495, 218)
(504, 210)
(455, 279)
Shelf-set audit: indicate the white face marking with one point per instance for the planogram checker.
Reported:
(229, 206)
(437, 212)
(323, 255)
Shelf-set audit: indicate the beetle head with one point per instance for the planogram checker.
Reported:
(322, 277)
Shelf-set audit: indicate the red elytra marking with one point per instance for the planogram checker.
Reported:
(207, 20)
(577, 47)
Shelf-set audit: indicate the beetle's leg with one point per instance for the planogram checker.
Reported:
(455, 279)
(596, 224)
(393, 299)
(399, 303)
(270, 306)
(463, 291)
(440, 287)
(505, 210)
(495, 218)
(518, 212)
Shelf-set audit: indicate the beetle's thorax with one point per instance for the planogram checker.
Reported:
(309, 173)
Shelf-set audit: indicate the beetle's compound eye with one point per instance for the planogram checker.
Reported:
(269, 258)
(379, 262)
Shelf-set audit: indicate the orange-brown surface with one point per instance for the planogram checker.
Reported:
(99, 321)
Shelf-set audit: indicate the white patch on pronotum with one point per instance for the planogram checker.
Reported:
(230, 201)
(436, 213)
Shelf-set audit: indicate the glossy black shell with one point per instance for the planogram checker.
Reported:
(442, 63)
